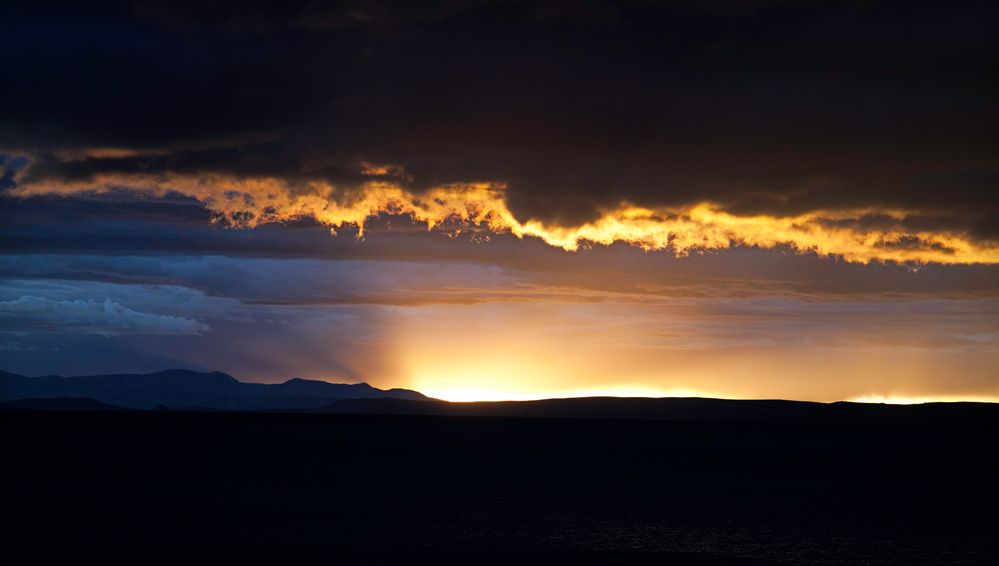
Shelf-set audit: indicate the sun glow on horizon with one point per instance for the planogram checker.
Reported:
(472, 394)
(519, 351)
(898, 399)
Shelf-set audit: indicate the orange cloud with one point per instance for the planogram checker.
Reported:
(249, 202)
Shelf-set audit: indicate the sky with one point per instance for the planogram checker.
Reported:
(507, 199)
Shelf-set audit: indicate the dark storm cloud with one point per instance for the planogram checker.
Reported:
(762, 107)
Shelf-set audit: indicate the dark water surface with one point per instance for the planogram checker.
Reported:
(284, 488)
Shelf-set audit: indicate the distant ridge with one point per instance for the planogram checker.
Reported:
(185, 390)
(179, 389)
(57, 404)
(686, 409)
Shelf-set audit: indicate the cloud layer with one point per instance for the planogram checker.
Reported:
(108, 318)
(820, 177)
(864, 131)
(484, 208)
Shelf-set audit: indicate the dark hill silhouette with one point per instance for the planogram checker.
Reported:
(184, 390)
(685, 409)
(190, 389)
(57, 404)
(323, 389)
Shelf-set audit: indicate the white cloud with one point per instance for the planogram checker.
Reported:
(105, 317)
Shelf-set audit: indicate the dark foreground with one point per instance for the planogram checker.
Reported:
(149, 487)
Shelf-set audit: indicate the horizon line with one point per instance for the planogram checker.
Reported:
(481, 395)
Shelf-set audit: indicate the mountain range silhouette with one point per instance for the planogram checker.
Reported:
(216, 391)
(185, 389)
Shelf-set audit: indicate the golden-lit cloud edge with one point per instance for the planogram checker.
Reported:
(482, 208)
